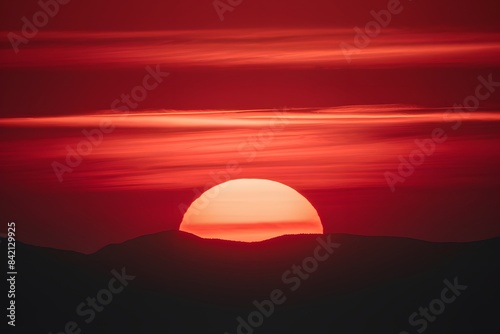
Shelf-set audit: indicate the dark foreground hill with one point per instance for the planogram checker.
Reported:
(174, 282)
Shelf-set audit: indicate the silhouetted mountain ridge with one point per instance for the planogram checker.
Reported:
(186, 284)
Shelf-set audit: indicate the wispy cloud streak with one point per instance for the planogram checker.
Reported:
(307, 48)
(319, 148)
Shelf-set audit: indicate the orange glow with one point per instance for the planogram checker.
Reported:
(250, 210)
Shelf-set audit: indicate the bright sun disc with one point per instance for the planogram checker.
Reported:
(250, 210)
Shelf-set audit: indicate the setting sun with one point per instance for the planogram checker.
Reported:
(250, 210)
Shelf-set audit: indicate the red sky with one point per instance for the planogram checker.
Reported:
(346, 123)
